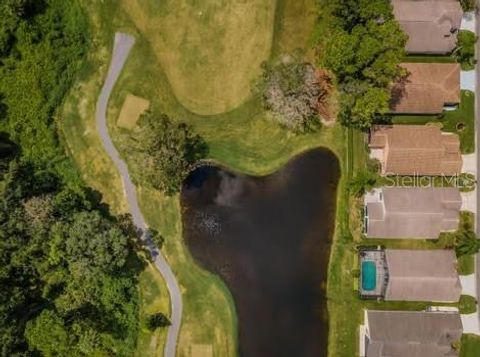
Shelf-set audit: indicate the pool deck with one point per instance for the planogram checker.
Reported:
(377, 256)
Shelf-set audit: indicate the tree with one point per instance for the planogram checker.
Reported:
(362, 183)
(93, 242)
(364, 51)
(351, 13)
(468, 5)
(359, 110)
(291, 90)
(466, 243)
(465, 51)
(156, 237)
(169, 151)
(157, 320)
(48, 335)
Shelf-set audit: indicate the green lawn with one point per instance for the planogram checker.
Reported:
(467, 304)
(466, 265)
(450, 120)
(153, 298)
(470, 346)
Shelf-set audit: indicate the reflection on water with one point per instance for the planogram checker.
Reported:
(269, 239)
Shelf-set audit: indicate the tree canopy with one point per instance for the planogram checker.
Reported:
(363, 48)
(68, 269)
(291, 90)
(168, 151)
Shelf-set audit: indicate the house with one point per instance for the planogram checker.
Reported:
(431, 25)
(411, 212)
(415, 150)
(427, 88)
(410, 333)
(409, 275)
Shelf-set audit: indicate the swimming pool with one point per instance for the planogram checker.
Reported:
(369, 275)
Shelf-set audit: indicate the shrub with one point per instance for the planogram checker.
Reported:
(157, 320)
(467, 304)
(362, 183)
(468, 5)
(291, 91)
(465, 51)
(466, 243)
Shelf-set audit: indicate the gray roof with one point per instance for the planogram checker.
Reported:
(413, 212)
(412, 334)
(422, 275)
(430, 25)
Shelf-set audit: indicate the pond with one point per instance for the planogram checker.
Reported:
(269, 239)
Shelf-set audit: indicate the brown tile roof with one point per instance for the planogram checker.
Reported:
(417, 150)
(422, 275)
(431, 25)
(426, 89)
(412, 212)
(412, 333)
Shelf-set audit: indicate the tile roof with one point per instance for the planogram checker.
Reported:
(426, 88)
(413, 212)
(422, 275)
(431, 25)
(417, 150)
(412, 333)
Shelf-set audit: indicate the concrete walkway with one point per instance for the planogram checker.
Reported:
(468, 21)
(123, 45)
(467, 80)
(470, 322)
(469, 201)
(469, 285)
(469, 163)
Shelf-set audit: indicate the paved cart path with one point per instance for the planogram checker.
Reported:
(123, 45)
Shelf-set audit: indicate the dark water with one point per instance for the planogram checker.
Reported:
(269, 239)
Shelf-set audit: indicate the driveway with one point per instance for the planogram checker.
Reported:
(123, 45)
(468, 21)
(467, 80)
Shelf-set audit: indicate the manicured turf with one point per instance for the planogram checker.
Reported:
(210, 51)
(467, 304)
(153, 298)
(464, 115)
(470, 346)
(466, 265)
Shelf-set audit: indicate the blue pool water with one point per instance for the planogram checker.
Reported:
(369, 275)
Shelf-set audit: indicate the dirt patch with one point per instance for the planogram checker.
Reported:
(201, 351)
(326, 103)
(132, 109)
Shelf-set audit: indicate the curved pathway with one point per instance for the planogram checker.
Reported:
(123, 45)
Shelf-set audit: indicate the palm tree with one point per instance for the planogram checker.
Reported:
(466, 243)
